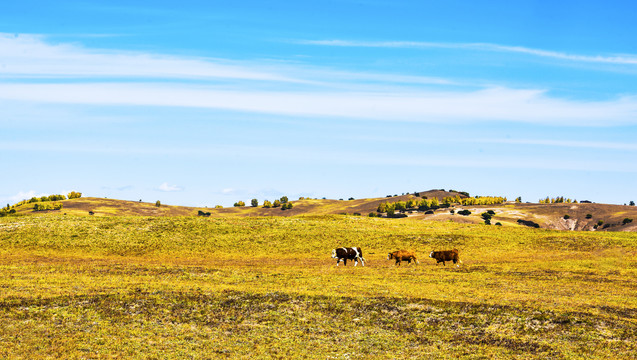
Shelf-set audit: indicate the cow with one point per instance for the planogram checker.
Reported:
(403, 255)
(446, 255)
(351, 253)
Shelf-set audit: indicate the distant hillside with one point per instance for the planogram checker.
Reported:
(586, 217)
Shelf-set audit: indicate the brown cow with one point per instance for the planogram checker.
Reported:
(446, 255)
(403, 255)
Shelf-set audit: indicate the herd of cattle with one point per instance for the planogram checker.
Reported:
(356, 254)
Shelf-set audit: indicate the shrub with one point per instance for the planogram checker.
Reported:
(464, 212)
(239, 204)
(267, 204)
(627, 221)
(528, 223)
(158, 203)
(486, 216)
(631, 203)
(498, 224)
(74, 195)
(567, 216)
(44, 207)
(276, 203)
(589, 216)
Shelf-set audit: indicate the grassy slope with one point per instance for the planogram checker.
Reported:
(546, 215)
(179, 287)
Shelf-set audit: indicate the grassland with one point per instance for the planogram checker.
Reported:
(265, 287)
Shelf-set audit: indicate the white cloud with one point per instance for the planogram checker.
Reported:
(31, 56)
(316, 92)
(169, 188)
(23, 196)
(492, 104)
(564, 143)
(626, 59)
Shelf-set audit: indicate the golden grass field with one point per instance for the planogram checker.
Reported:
(80, 287)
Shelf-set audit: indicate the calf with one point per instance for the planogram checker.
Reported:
(351, 253)
(403, 255)
(446, 255)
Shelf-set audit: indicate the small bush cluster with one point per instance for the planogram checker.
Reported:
(487, 215)
(528, 223)
(74, 195)
(286, 206)
(43, 207)
(557, 200)
(464, 212)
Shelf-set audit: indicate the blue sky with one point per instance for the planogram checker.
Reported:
(203, 103)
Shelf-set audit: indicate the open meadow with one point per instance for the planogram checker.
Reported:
(266, 287)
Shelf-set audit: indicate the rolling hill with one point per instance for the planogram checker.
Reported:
(561, 216)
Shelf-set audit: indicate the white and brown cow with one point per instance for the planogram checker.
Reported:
(351, 253)
(446, 255)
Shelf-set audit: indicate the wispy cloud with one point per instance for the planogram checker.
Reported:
(169, 188)
(31, 56)
(493, 104)
(22, 195)
(113, 79)
(564, 143)
(606, 59)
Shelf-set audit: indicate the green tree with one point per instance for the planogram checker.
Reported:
(239, 204)
(254, 202)
(276, 203)
(382, 207)
(284, 199)
(158, 203)
(267, 204)
(74, 195)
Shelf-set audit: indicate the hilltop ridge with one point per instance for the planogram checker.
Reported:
(561, 216)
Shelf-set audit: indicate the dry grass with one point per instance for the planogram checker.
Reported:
(173, 287)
